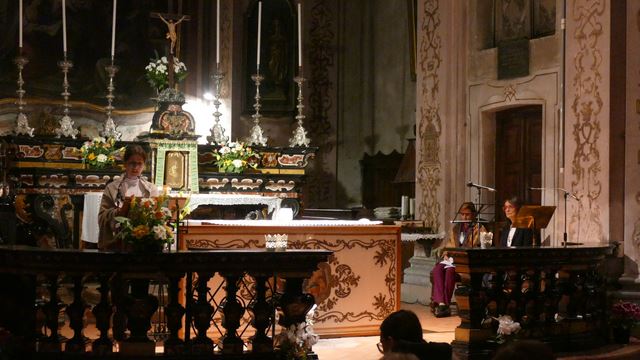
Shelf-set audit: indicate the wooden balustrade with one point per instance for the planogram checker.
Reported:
(556, 294)
(25, 269)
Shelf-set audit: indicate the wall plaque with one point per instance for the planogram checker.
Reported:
(513, 59)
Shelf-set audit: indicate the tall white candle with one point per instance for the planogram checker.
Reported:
(259, 29)
(64, 26)
(218, 33)
(20, 24)
(113, 30)
(299, 35)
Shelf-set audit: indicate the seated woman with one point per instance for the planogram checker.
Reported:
(114, 198)
(401, 332)
(444, 274)
(512, 236)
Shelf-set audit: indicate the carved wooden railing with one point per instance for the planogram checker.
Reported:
(23, 270)
(556, 294)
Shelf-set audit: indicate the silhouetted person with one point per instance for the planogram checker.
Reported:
(401, 332)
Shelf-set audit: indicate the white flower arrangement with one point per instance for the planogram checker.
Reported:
(296, 340)
(158, 76)
(506, 325)
(234, 157)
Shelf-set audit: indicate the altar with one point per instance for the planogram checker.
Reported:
(355, 290)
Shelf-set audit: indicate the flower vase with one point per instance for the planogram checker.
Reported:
(621, 334)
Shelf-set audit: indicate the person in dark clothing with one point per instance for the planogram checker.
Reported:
(512, 236)
(401, 332)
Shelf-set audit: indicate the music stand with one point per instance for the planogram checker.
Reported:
(534, 217)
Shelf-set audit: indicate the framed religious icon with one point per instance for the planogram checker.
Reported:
(513, 20)
(176, 170)
(278, 57)
(544, 18)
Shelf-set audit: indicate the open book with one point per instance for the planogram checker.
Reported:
(447, 262)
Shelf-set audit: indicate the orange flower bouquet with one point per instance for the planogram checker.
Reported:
(147, 227)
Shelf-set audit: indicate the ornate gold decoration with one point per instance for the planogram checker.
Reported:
(429, 122)
(586, 166)
(220, 244)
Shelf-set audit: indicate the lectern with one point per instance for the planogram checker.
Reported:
(534, 217)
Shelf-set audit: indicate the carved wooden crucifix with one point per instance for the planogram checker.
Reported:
(172, 21)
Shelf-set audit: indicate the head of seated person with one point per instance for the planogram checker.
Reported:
(402, 325)
(401, 332)
(524, 350)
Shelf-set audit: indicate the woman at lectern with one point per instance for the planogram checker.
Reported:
(114, 198)
(463, 234)
(512, 236)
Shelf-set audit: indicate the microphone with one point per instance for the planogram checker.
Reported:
(478, 186)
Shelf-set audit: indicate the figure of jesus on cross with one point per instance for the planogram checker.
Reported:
(172, 21)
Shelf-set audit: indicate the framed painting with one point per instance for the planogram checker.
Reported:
(138, 37)
(544, 17)
(278, 56)
(513, 20)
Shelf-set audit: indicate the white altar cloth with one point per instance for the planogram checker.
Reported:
(292, 223)
(196, 200)
(90, 210)
(90, 228)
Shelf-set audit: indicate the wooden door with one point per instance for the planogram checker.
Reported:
(518, 155)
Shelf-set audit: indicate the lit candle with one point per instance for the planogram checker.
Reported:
(20, 25)
(218, 34)
(64, 27)
(113, 30)
(299, 35)
(259, 26)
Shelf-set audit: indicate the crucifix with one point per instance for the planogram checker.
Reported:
(172, 21)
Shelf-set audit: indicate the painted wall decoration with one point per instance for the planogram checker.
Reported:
(584, 130)
(428, 119)
(321, 187)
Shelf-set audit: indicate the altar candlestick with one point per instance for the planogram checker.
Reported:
(259, 26)
(299, 35)
(113, 30)
(20, 25)
(218, 34)
(64, 27)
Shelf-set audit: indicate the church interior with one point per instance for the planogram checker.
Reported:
(301, 167)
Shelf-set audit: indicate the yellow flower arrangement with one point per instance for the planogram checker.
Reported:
(100, 153)
(147, 226)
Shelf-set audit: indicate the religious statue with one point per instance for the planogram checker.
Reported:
(171, 33)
